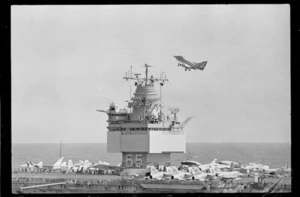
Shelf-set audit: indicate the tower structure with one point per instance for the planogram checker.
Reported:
(144, 134)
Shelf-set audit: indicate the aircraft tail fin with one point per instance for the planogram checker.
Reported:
(86, 164)
(214, 161)
(70, 163)
(40, 164)
(58, 163)
(201, 65)
(153, 170)
(231, 166)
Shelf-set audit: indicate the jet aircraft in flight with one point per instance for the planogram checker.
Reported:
(187, 65)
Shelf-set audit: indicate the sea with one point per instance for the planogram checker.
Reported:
(274, 155)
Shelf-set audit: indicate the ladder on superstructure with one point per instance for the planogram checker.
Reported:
(183, 124)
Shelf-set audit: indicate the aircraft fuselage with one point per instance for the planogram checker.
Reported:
(182, 60)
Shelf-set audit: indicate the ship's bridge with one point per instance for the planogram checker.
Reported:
(145, 103)
(145, 91)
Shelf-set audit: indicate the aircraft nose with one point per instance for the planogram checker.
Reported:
(23, 165)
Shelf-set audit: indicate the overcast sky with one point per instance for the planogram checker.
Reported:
(68, 61)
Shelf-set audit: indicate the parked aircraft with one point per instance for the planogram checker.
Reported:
(223, 167)
(271, 171)
(67, 168)
(40, 165)
(173, 173)
(259, 166)
(29, 164)
(56, 166)
(206, 167)
(86, 165)
(70, 164)
(155, 174)
(81, 166)
(255, 167)
(266, 170)
(77, 166)
(196, 174)
(187, 65)
(225, 162)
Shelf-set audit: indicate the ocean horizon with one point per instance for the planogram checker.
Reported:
(273, 154)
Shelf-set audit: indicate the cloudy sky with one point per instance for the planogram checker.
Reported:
(68, 61)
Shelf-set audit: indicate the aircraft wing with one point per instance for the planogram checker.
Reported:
(185, 66)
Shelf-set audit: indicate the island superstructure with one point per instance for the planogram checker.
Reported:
(143, 133)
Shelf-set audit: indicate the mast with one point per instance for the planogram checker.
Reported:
(143, 81)
(146, 65)
(160, 100)
(60, 149)
(129, 97)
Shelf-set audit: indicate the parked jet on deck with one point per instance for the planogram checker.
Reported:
(57, 166)
(155, 174)
(199, 175)
(29, 164)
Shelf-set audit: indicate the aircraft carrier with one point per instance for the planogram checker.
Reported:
(84, 183)
(145, 135)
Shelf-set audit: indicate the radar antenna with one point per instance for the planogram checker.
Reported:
(128, 75)
(136, 76)
(146, 65)
(174, 111)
